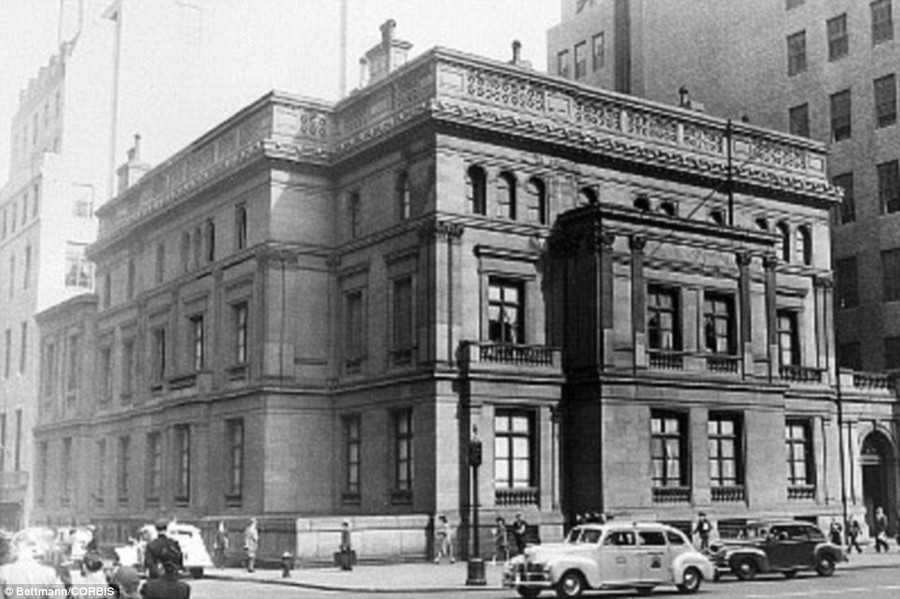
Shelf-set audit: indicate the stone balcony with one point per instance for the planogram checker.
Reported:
(508, 357)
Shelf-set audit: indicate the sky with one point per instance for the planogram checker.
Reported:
(291, 45)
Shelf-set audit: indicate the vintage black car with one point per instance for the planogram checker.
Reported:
(781, 546)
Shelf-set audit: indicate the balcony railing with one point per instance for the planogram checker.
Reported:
(874, 380)
(800, 374)
(723, 364)
(802, 492)
(728, 493)
(509, 355)
(671, 494)
(509, 497)
(660, 359)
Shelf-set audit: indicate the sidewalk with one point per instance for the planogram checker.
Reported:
(425, 577)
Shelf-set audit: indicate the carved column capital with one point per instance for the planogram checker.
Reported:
(743, 259)
(440, 230)
(637, 243)
(824, 281)
(770, 261)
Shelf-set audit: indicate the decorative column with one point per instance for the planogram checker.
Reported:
(607, 298)
(745, 335)
(826, 354)
(770, 261)
(636, 244)
(440, 243)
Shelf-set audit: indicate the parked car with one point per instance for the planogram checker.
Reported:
(780, 546)
(189, 539)
(615, 555)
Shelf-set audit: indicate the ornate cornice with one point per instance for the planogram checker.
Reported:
(439, 230)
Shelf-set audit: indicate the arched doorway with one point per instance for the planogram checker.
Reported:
(876, 460)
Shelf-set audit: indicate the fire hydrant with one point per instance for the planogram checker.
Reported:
(287, 564)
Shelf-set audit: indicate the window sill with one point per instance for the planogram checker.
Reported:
(351, 498)
(233, 500)
(238, 372)
(401, 498)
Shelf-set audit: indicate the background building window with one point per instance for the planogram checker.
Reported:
(354, 208)
(404, 198)
(182, 464)
(718, 324)
(580, 60)
(49, 369)
(239, 314)
(160, 263)
(882, 21)
(100, 482)
(725, 450)
(799, 453)
(352, 454)
(506, 311)
(78, 269)
(784, 241)
(788, 338)
(158, 354)
(847, 209)
(122, 481)
(354, 345)
(43, 471)
(536, 201)
(796, 48)
(235, 452)
(668, 449)
(663, 322)
(66, 472)
(23, 347)
(403, 320)
(198, 345)
(132, 274)
(889, 186)
(891, 353)
(403, 452)
(514, 445)
(890, 274)
(598, 52)
(847, 283)
(562, 64)
(838, 38)
(105, 374)
(476, 189)
(506, 196)
(186, 251)
(240, 226)
(210, 241)
(803, 245)
(7, 353)
(128, 363)
(841, 127)
(885, 101)
(154, 467)
(799, 120)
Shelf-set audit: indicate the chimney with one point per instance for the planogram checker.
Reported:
(387, 56)
(517, 56)
(129, 173)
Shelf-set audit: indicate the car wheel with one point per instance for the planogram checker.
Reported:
(691, 581)
(528, 592)
(745, 568)
(790, 573)
(197, 572)
(570, 585)
(825, 566)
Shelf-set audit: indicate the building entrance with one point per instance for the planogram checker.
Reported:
(876, 460)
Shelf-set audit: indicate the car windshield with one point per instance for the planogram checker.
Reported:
(583, 535)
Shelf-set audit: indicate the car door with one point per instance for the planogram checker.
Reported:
(655, 561)
(619, 557)
(807, 539)
(783, 547)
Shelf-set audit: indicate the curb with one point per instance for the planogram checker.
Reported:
(354, 589)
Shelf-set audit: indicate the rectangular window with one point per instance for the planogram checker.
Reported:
(885, 101)
(725, 450)
(123, 469)
(841, 127)
(889, 186)
(890, 274)
(182, 464)
(154, 467)
(788, 338)
(239, 319)
(17, 455)
(798, 437)
(100, 489)
(403, 319)
(66, 472)
(160, 263)
(404, 196)
(240, 226)
(23, 347)
(105, 374)
(132, 275)
(128, 367)
(158, 353)
(796, 48)
(7, 353)
(891, 353)
(50, 369)
(36, 200)
(235, 452)
(403, 452)
(210, 241)
(663, 318)
(352, 453)
(197, 342)
(598, 52)
(882, 21)
(83, 202)
(562, 64)
(27, 274)
(506, 311)
(847, 283)
(514, 446)
(73, 366)
(668, 449)
(354, 208)
(580, 60)
(799, 120)
(43, 466)
(719, 324)
(353, 330)
(838, 38)
(847, 209)
(78, 269)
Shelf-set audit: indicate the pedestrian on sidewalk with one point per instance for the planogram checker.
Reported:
(853, 532)
(346, 547)
(881, 526)
(501, 541)
(835, 532)
(251, 544)
(703, 530)
(519, 531)
(443, 540)
(220, 546)
(161, 549)
(168, 586)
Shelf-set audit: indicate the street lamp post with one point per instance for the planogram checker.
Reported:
(476, 564)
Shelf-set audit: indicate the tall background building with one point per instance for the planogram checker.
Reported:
(823, 70)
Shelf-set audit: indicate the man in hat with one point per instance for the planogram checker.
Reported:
(161, 550)
(703, 528)
(126, 583)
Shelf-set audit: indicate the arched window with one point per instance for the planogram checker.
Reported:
(762, 223)
(536, 201)
(667, 208)
(717, 216)
(642, 202)
(506, 196)
(404, 199)
(587, 195)
(784, 241)
(803, 246)
(476, 189)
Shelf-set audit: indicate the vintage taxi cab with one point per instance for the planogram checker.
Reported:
(616, 555)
